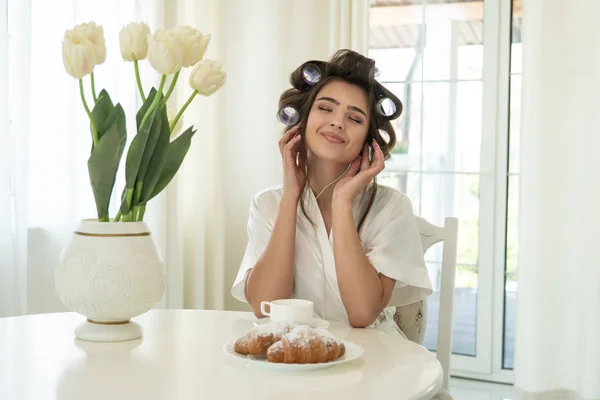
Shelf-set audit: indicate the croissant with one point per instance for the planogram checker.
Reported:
(258, 340)
(304, 345)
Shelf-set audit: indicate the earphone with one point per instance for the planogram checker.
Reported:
(370, 149)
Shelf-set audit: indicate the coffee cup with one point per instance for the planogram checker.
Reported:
(288, 310)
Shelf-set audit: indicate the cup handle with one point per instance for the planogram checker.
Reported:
(263, 308)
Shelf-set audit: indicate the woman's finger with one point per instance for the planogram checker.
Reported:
(378, 159)
(364, 165)
(354, 167)
(287, 136)
(290, 148)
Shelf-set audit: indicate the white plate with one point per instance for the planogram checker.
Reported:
(353, 352)
(315, 323)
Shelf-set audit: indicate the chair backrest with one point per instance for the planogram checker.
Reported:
(448, 234)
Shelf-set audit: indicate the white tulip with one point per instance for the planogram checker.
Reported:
(79, 55)
(95, 35)
(160, 54)
(133, 40)
(171, 116)
(207, 77)
(189, 46)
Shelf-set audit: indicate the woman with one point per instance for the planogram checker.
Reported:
(330, 234)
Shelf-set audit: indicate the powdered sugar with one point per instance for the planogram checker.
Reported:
(277, 346)
(326, 336)
(272, 328)
(302, 334)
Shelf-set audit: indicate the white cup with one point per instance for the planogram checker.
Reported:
(288, 310)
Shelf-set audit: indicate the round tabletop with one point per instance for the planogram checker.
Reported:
(181, 356)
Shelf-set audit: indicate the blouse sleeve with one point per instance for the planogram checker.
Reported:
(263, 212)
(395, 251)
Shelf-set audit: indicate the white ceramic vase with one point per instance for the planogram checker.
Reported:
(110, 272)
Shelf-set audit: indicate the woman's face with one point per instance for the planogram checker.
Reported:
(338, 122)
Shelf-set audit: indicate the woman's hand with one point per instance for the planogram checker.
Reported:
(294, 163)
(354, 182)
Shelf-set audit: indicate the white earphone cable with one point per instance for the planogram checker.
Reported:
(340, 177)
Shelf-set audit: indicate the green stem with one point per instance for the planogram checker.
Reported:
(138, 80)
(127, 217)
(154, 102)
(93, 88)
(187, 103)
(141, 212)
(171, 88)
(128, 200)
(138, 193)
(87, 110)
(118, 216)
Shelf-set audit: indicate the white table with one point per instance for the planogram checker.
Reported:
(181, 357)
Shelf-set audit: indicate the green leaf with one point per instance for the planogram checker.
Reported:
(102, 167)
(155, 133)
(101, 113)
(121, 124)
(176, 152)
(123, 202)
(117, 115)
(136, 151)
(142, 111)
(159, 157)
(138, 154)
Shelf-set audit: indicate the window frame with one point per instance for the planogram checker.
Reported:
(487, 364)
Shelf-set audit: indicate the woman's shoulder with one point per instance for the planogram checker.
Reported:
(389, 198)
(390, 208)
(268, 196)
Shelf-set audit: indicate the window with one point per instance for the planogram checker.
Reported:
(449, 63)
(512, 213)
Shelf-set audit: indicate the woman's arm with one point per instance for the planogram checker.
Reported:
(365, 293)
(273, 275)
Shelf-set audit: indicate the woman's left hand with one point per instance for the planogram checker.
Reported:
(354, 182)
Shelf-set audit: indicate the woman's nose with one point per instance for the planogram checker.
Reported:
(336, 124)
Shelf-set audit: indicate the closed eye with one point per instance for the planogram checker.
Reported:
(355, 120)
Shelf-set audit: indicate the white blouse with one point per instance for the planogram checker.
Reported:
(389, 236)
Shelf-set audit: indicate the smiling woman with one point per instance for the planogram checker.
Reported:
(331, 157)
(338, 123)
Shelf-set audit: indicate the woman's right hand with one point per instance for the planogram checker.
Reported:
(294, 163)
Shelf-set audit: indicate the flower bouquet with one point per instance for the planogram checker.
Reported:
(110, 271)
(152, 158)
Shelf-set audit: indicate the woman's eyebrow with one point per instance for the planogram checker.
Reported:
(337, 103)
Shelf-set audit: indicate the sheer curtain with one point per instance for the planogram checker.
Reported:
(13, 245)
(557, 348)
(238, 154)
(44, 137)
(199, 222)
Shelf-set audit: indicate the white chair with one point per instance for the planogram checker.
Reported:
(411, 317)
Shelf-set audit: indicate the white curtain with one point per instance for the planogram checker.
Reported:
(236, 154)
(557, 349)
(44, 137)
(199, 222)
